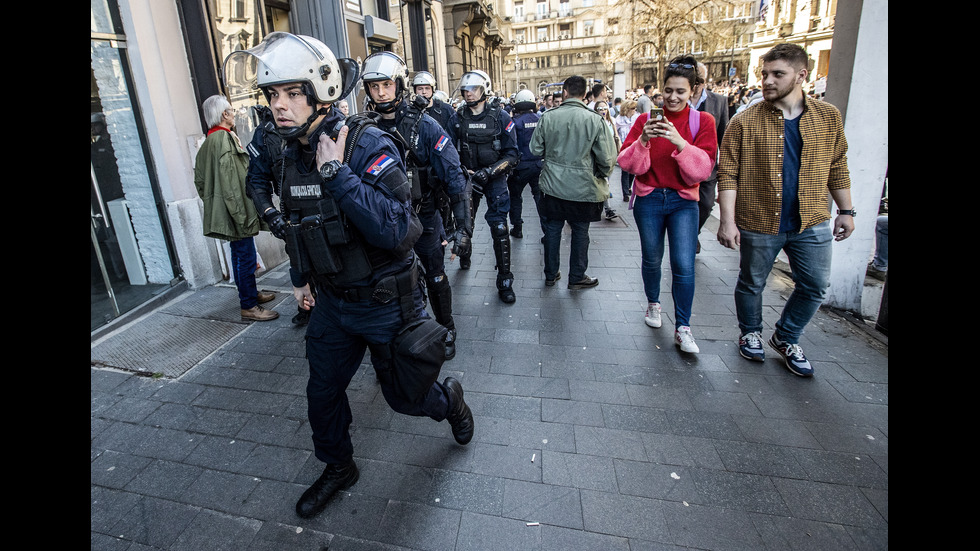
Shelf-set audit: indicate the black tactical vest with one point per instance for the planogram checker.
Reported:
(320, 237)
(479, 141)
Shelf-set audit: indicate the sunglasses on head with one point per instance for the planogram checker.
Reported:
(684, 65)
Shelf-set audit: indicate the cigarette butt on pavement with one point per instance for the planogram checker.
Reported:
(532, 457)
(534, 524)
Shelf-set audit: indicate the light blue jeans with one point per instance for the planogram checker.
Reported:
(880, 260)
(809, 253)
(661, 212)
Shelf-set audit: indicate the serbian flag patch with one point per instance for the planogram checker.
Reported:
(440, 144)
(380, 164)
(510, 126)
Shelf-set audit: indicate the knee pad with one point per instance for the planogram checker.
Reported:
(499, 230)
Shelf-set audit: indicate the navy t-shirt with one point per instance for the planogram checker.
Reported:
(789, 218)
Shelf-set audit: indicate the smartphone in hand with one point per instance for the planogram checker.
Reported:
(657, 114)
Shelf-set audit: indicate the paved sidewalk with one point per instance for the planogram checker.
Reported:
(593, 431)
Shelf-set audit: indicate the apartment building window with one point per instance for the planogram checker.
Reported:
(542, 10)
(587, 3)
(588, 27)
(564, 8)
(518, 11)
(519, 36)
(542, 34)
(564, 30)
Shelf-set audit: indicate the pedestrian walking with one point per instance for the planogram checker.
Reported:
(670, 157)
(770, 203)
(579, 153)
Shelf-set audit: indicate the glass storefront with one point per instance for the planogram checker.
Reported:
(131, 252)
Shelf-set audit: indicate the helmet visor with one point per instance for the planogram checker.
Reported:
(283, 56)
(382, 67)
(471, 81)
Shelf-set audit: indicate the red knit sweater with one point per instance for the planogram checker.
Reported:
(659, 165)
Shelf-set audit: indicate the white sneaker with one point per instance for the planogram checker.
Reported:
(684, 339)
(652, 317)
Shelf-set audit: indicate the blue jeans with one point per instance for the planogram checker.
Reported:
(336, 339)
(809, 254)
(881, 243)
(661, 212)
(243, 261)
(578, 258)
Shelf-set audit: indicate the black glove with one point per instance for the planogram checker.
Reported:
(461, 244)
(480, 178)
(277, 224)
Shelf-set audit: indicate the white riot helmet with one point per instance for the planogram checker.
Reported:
(385, 66)
(423, 78)
(473, 80)
(441, 96)
(284, 58)
(526, 97)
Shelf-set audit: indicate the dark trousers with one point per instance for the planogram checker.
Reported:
(706, 201)
(336, 339)
(516, 183)
(243, 262)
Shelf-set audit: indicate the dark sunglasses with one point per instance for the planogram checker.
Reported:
(684, 65)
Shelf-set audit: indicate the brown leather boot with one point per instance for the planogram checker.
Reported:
(264, 297)
(258, 313)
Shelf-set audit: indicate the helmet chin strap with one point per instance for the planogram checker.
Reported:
(473, 103)
(294, 132)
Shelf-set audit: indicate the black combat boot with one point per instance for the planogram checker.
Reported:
(335, 477)
(460, 418)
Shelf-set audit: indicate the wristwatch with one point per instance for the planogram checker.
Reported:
(329, 169)
(851, 212)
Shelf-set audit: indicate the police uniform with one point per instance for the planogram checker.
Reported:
(486, 141)
(441, 112)
(527, 172)
(437, 180)
(365, 217)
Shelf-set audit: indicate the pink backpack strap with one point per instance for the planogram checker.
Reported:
(694, 122)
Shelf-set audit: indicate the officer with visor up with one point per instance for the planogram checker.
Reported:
(434, 172)
(484, 136)
(346, 210)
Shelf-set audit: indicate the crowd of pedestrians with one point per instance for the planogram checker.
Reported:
(368, 203)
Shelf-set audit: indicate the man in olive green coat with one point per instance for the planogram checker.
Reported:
(219, 176)
(579, 153)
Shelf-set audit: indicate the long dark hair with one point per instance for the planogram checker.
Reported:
(683, 66)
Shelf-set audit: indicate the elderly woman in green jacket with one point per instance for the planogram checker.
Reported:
(578, 154)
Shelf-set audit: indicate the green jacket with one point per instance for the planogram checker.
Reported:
(219, 176)
(578, 152)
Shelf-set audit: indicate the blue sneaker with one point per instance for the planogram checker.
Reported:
(750, 347)
(796, 362)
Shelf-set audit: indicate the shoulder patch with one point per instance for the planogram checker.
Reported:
(379, 164)
(441, 143)
(510, 126)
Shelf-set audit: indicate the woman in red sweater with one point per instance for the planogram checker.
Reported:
(670, 157)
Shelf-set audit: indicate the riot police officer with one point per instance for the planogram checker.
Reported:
(424, 84)
(435, 174)
(529, 168)
(484, 136)
(347, 212)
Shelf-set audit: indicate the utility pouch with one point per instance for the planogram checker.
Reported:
(330, 219)
(417, 354)
(414, 178)
(299, 259)
(315, 239)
